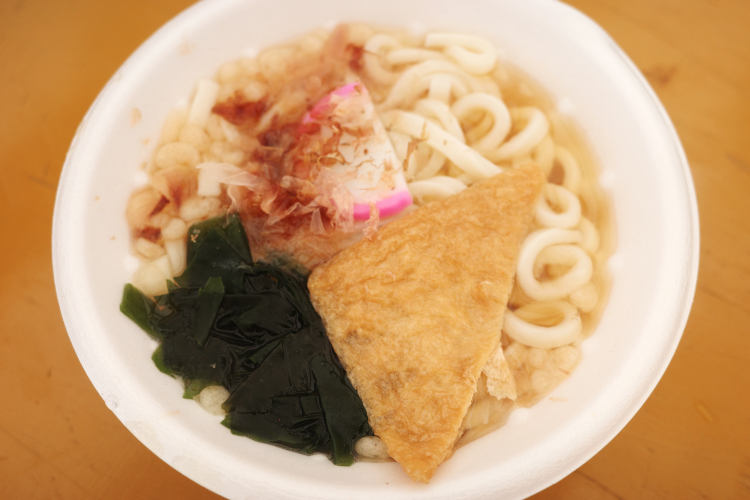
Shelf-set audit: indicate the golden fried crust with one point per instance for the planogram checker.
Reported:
(414, 313)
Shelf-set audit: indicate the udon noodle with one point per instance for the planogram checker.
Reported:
(455, 116)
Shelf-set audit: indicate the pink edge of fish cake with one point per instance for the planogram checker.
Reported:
(386, 207)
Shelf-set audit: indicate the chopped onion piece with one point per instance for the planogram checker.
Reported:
(203, 102)
(151, 278)
(177, 253)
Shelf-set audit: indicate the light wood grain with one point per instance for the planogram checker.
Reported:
(57, 438)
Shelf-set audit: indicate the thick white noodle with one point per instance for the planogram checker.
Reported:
(400, 143)
(569, 202)
(479, 125)
(425, 162)
(572, 178)
(415, 80)
(432, 108)
(411, 56)
(537, 127)
(465, 179)
(557, 255)
(374, 58)
(521, 160)
(435, 162)
(456, 85)
(436, 187)
(490, 106)
(590, 240)
(464, 157)
(544, 155)
(490, 86)
(544, 337)
(476, 55)
(440, 89)
(578, 275)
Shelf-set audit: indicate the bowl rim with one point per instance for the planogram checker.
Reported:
(71, 311)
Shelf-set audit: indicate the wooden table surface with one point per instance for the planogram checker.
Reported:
(691, 439)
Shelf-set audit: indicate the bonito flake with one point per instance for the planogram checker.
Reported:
(415, 313)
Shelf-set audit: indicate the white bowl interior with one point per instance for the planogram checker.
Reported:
(654, 269)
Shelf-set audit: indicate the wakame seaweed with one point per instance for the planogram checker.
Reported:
(251, 328)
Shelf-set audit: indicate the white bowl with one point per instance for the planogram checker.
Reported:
(643, 168)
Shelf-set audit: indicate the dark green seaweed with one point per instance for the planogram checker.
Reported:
(139, 308)
(207, 306)
(251, 328)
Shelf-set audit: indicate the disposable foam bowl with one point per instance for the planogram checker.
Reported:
(654, 268)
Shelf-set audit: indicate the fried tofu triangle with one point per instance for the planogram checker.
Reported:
(414, 313)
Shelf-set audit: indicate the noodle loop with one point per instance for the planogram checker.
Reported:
(572, 178)
(440, 89)
(424, 163)
(474, 54)
(411, 56)
(432, 108)
(373, 58)
(560, 196)
(544, 155)
(590, 240)
(465, 158)
(436, 187)
(527, 139)
(490, 106)
(561, 253)
(415, 80)
(544, 337)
